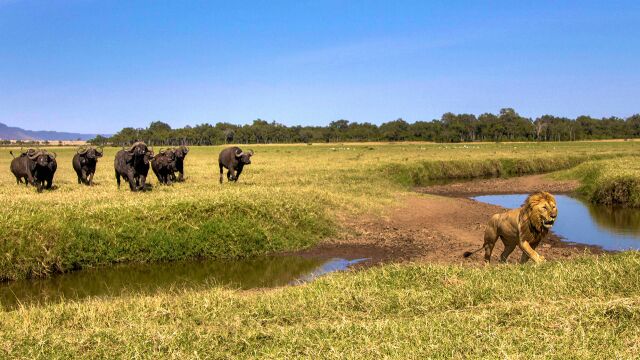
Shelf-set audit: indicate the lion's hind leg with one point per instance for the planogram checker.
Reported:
(508, 249)
(490, 238)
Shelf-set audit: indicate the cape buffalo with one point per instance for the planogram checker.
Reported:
(36, 167)
(164, 166)
(133, 165)
(84, 163)
(181, 153)
(234, 159)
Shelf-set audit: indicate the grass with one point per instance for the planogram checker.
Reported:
(586, 308)
(613, 182)
(289, 198)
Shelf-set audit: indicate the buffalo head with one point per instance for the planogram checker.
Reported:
(91, 152)
(138, 149)
(170, 154)
(181, 151)
(245, 157)
(148, 156)
(42, 157)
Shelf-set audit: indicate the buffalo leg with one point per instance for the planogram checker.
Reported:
(32, 180)
(221, 172)
(132, 181)
(143, 183)
(118, 179)
(238, 172)
(231, 173)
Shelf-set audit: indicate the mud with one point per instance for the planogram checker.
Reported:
(517, 185)
(439, 223)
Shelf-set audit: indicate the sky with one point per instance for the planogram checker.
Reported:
(98, 66)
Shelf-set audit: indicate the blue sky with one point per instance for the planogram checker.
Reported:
(97, 66)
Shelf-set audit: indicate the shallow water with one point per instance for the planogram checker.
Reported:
(120, 280)
(585, 223)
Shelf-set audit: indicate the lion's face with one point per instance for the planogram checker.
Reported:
(542, 210)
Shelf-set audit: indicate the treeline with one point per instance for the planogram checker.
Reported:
(508, 125)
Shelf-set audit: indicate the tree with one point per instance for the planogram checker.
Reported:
(507, 125)
(396, 130)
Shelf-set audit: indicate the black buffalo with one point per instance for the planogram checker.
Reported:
(181, 153)
(133, 165)
(84, 163)
(233, 159)
(164, 166)
(36, 167)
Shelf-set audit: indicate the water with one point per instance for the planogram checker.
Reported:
(585, 223)
(121, 280)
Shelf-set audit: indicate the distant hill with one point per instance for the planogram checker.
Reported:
(16, 133)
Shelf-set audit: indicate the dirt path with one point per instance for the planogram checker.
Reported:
(523, 184)
(438, 228)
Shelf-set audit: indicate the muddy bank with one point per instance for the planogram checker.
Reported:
(438, 229)
(518, 185)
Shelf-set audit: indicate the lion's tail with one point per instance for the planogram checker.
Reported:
(469, 253)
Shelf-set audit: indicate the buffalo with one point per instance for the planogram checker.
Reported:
(164, 166)
(36, 167)
(233, 159)
(84, 163)
(133, 165)
(181, 153)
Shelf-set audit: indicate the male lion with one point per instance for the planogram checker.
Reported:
(524, 227)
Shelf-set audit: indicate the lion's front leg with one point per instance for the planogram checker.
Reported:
(529, 252)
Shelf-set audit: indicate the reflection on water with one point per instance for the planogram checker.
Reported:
(149, 278)
(622, 221)
(585, 223)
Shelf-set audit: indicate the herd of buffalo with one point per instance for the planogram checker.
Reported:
(37, 167)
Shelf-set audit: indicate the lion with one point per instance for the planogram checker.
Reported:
(524, 227)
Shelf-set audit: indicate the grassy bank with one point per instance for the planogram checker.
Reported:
(424, 172)
(507, 160)
(587, 308)
(287, 199)
(613, 182)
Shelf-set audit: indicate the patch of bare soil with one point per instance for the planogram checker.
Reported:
(439, 229)
(517, 185)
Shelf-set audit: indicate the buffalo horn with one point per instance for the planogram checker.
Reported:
(35, 155)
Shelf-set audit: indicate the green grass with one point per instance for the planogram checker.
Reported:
(613, 182)
(289, 198)
(585, 308)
